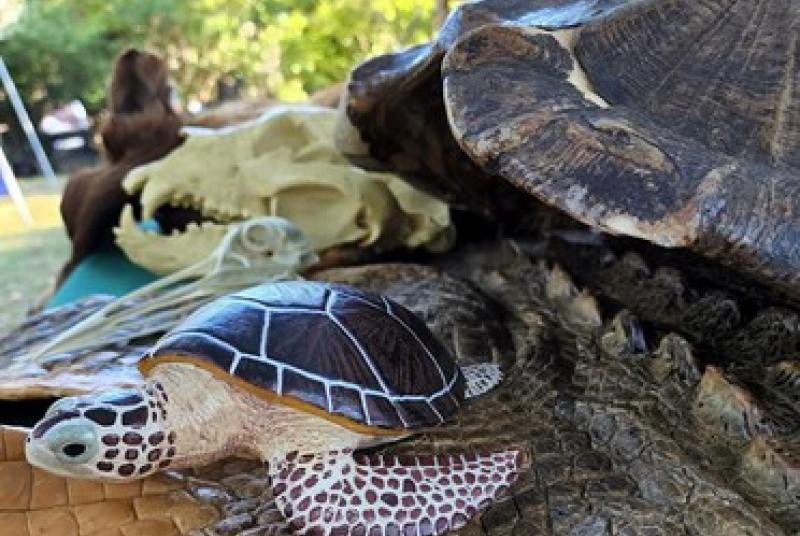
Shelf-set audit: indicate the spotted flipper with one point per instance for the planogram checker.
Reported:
(481, 378)
(337, 493)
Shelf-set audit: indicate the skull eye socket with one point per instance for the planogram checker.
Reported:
(73, 450)
(258, 237)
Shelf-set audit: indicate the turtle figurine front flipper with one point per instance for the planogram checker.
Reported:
(381, 495)
(298, 374)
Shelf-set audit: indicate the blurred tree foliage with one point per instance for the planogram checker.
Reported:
(58, 50)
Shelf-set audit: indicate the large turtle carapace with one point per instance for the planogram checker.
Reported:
(299, 375)
(672, 121)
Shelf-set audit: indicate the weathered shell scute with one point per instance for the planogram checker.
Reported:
(603, 146)
(724, 73)
(287, 295)
(344, 351)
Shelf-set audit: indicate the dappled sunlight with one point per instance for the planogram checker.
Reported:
(44, 209)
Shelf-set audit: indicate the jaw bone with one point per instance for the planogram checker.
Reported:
(168, 253)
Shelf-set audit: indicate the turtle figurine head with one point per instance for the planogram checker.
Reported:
(113, 435)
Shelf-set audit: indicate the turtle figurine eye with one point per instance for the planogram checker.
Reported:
(74, 444)
(64, 442)
(74, 450)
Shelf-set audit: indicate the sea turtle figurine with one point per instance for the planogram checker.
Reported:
(298, 374)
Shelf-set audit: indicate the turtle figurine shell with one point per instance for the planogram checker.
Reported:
(299, 375)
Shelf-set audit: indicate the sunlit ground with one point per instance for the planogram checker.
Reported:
(30, 257)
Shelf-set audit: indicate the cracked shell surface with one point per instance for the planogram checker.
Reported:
(675, 122)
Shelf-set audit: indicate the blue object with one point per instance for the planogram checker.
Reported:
(107, 271)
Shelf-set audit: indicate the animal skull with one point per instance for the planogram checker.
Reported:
(283, 164)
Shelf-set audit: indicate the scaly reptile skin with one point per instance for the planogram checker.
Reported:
(627, 440)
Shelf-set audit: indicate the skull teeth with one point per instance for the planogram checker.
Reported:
(206, 207)
(156, 252)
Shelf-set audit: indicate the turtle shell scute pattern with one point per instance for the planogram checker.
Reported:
(348, 352)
